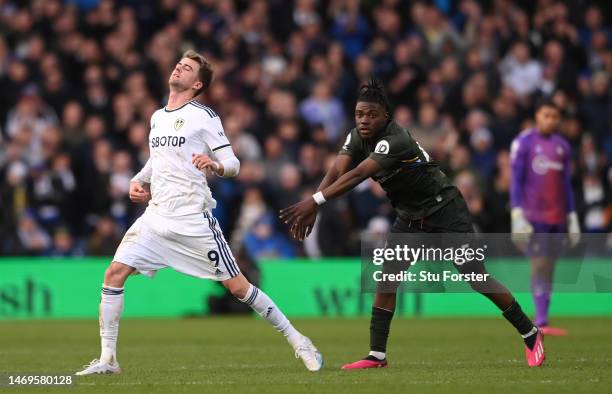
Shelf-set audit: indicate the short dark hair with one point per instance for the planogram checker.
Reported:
(205, 73)
(546, 102)
(374, 92)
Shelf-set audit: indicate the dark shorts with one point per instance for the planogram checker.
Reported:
(547, 240)
(454, 217)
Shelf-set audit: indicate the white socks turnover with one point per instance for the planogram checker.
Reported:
(111, 307)
(378, 355)
(265, 307)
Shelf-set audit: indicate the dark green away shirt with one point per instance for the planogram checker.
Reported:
(413, 182)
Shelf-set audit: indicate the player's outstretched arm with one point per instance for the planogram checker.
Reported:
(305, 211)
(341, 166)
(352, 178)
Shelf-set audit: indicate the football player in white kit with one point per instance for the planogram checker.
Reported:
(178, 229)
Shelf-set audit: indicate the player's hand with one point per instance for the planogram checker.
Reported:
(203, 162)
(300, 218)
(573, 229)
(302, 229)
(139, 193)
(521, 228)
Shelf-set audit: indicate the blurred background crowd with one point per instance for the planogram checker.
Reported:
(79, 81)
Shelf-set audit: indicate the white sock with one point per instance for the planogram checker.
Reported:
(111, 307)
(530, 333)
(265, 307)
(378, 355)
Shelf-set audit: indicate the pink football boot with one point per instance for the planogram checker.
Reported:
(368, 362)
(536, 356)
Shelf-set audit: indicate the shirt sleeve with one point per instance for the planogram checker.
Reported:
(214, 135)
(352, 145)
(392, 150)
(144, 175)
(518, 158)
(231, 164)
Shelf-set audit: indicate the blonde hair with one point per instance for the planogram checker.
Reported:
(205, 73)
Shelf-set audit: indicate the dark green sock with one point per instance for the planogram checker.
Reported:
(379, 329)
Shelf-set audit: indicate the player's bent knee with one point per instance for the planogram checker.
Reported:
(116, 274)
(238, 286)
(240, 291)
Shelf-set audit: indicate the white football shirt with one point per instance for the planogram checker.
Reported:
(178, 188)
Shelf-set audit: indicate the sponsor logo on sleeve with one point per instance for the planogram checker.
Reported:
(382, 147)
(346, 142)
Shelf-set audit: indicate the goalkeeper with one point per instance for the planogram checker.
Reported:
(543, 203)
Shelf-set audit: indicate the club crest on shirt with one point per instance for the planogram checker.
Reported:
(178, 123)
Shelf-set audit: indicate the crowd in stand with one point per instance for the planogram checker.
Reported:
(80, 80)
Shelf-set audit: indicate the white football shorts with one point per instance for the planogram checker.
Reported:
(191, 244)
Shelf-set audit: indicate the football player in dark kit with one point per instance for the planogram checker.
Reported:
(424, 200)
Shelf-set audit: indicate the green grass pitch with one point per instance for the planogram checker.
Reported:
(245, 355)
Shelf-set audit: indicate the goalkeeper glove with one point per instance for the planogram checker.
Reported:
(521, 228)
(573, 229)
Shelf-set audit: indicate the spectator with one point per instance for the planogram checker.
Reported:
(593, 22)
(263, 241)
(311, 161)
(253, 207)
(64, 245)
(375, 235)
(481, 142)
(289, 183)
(244, 144)
(104, 240)
(428, 130)
(73, 133)
(275, 157)
(33, 240)
(463, 78)
(597, 107)
(468, 186)
(13, 197)
(119, 183)
(322, 108)
(497, 200)
(350, 28)
(504, 124)
(521, 73)
(30, 117)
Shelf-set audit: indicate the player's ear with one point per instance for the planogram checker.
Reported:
(198, 85)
